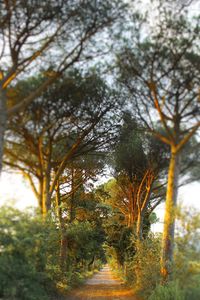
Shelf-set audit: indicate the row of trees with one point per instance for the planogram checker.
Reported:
(69, 120)
(161, 78)
(70, 123)
(55, 36)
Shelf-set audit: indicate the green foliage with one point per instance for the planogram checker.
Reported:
(119, 246)
(146, 264)
(140, 269)
(30, 251)
(136, 150)
(193, 292)
(30, 255)
(85, 241)
(186, 284)
(171, 291)
(188, 234)
(24, 245)
(174, 291)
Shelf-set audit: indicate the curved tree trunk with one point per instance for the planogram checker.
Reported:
(46, 197)
(169, 218)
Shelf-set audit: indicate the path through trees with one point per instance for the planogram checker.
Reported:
(102, 286)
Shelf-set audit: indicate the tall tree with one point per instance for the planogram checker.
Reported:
(74, 200)
(52, 34)
(161, 75)
(71, 118)
(139, 167)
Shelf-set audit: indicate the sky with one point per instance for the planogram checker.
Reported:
(188, 196)
(14, 189)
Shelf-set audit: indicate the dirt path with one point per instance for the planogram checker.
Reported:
(102, 286)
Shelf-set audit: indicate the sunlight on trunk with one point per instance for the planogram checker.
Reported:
(169, 218)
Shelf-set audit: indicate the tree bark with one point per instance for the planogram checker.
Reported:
(58, 209)
(46, 197)
(91, 263)
(63, 247)
(169, 218)
(63, 236)
(63, 244)
(139, 226)
(72, 204)
(40, 199)
(3, 121)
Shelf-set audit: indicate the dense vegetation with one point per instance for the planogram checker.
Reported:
(102, 119)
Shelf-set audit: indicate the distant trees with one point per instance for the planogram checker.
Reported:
(161, 76)
(139, 166)
(136, 189)
(74, 200)
(72, 118)
(53, 36)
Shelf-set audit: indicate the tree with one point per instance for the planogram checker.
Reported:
(139, 166)
(53, 36)
(79, 176)
(74, 200)
(161, 75)
(73, 117)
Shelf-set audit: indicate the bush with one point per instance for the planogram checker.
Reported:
(171, 291)
(192, 293)
(140, 269)
(146, 265)
(22, 257)
(30, 265)
(174, 291)
(186, 267)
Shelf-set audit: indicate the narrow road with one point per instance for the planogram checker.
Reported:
(102, 286)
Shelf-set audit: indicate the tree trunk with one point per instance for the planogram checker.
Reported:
(46, 197)
(138, 270)
(129, 220)
(72, 204)
(58, 209)
(169, 219)
(3, 121)
(139, 237)
(63, 244)
(63, 237)
(91, 264)
(139, 226)
(40, 199)
(63, 248)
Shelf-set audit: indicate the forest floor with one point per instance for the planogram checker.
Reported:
(102, 286)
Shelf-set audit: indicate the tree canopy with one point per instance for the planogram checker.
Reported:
(100, 114)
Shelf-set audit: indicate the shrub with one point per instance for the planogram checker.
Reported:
(174, 291)
(22, 257)
(30, 255)
(186, 267)
(171, 291)
(146, 265)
